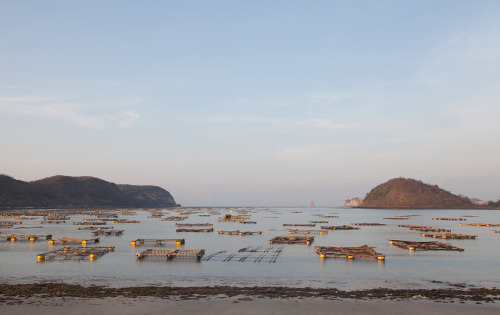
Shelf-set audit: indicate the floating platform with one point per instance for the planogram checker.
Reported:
(68, 240)
(170, 254)
(287, 224)
(158, 241)
(364, 251)
(30, 237)
(239, 233)
(174, 218)
(449, 219)
(340, 227)
(89, 223)
(368, 224)
(75, 253)
(195, 230)
(108, 232)
(292, 240)
(411, 245)
(482, 224)
(425, 228)
(52, 222)
(307, 232)
(102, 228)
(397, 218)
(318, 222)
(193, 224)
(449, 235)
(125, 221)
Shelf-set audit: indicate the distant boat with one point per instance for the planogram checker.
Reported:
(312, 204)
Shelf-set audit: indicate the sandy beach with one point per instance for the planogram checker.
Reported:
(151, 305)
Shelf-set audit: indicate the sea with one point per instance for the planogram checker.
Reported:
(250, 260)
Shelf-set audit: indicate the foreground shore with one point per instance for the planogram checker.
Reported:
(55, 298)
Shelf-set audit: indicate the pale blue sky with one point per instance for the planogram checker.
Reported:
(258, 103)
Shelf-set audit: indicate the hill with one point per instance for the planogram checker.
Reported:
(65, 191)
(411, 193)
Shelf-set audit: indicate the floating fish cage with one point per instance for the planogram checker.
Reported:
(292, 240)
(340, 227)
(75, 253)
(449, 235)
(157, 241)
(239, 233)
(411, 245)
(30, 237)
(364, 251)
(170, 254)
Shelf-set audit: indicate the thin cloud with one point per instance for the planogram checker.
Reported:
(67, 112)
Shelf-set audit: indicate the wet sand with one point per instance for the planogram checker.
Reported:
(150, 305)
(59, 298)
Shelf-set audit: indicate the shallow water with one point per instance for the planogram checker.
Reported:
(297, 265)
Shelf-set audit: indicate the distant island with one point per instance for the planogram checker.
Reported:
(85, 191)
(411, 193)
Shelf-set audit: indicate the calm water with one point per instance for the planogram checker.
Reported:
(297, 265)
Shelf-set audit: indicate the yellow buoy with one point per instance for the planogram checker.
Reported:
(132, 243)
(93, 256)
(411, 248)
(12, 239)
(32, 239)
(41, 257)
(111, 249)
(289, 232)
(51, 242)
(84, 243)
(350, 257)
(381, 257)
(322, 256)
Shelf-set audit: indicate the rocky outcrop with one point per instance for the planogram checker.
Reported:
(85, 191)
(411, 193)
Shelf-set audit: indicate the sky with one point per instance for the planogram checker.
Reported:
(253, 103)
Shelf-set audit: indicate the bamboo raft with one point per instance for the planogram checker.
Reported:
(174, 218)
(318, 221)
(411, 245)
(125, 221)
(195, 230)
(287, 224)
(193, 224)
(52, 221)
(397, 218)
(364, 251)
(292, 240)
(75, 253)
(482, 224)
(89, 223)
(158, 241)
(247, 222)
(240, 233)
(68, 240)
(95, 228)
(340, 227)
(30, 237)
(368, 224)
(170, 254)
(449, 219)
(321, 232)
(449, 235)
(108, 232)
(425, 228)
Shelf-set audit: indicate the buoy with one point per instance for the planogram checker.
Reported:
(111, 249)
(51, 242)
(132, 243)
(289, 232)
(12, 239)
(32, 239)
(381, 257)
(411, 248)
(322, 256)
(350, 257)
(93, 256)
(308, 243)
(41, 257)
(84, 243)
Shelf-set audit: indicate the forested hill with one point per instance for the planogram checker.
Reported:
(85, 191)
(411, 193)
